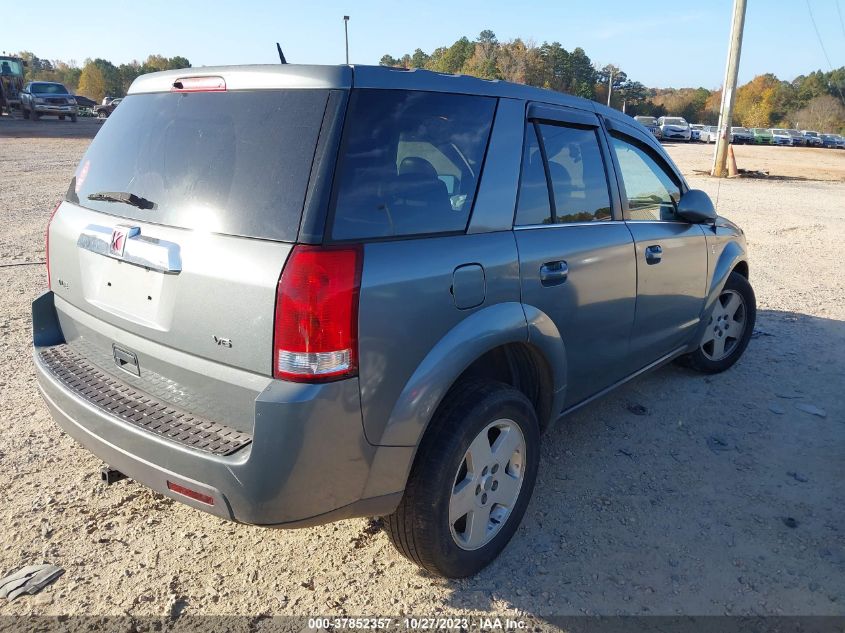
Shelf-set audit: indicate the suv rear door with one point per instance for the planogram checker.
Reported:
(576, 254)
(173, 291)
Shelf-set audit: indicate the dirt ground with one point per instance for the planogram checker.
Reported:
(789, 163)
(50, 127)
(718, 496)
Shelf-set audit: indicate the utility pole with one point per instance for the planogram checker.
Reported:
(609, 86)
(729, 90)
(346, 34)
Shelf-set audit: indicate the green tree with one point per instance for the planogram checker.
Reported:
(419, 59)
(604, 77)
(452, 59)
(583, 74)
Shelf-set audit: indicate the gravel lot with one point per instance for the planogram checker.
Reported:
(723, 497)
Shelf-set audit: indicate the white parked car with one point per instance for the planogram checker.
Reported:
(674, 127)
(781, 137)
(709, 134)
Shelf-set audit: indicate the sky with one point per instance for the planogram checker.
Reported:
(674, 43)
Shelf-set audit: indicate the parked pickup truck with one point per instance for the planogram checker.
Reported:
(47, 98)
(103, 111)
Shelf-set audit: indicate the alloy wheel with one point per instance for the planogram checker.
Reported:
(726, 327)
(487, 484)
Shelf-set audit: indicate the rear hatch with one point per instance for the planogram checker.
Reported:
(165, 256)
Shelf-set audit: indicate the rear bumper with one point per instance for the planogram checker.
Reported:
(308, 462)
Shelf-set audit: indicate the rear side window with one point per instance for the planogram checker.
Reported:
(576, 169)
(410, 163)
(576, 172)
(534, 205)
(651, 192)
(225, 162)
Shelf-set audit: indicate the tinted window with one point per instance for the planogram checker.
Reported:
(651, 192)
(225, 162)
(576, 169)
(410, 162)
(49, 89)
(533, 206)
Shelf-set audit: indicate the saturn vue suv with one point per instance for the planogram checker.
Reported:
(288, 295)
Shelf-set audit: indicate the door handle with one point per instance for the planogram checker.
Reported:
(553, 273)
(653, 254)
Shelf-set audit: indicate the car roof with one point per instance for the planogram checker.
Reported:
(279, 76)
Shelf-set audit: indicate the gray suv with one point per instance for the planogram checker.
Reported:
(288, 295)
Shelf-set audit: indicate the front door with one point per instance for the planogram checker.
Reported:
(671, 253)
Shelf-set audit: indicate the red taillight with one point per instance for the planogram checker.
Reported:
(316, 326)
(199, 84)
(47, 243)
(191, 494)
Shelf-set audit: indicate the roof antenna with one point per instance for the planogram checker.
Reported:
(281, 54)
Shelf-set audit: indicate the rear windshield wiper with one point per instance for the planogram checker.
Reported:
(124, 197)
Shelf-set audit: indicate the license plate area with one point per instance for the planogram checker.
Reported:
(133, 293)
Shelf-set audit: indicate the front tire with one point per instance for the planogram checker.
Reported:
(729, 329)
(471, 481)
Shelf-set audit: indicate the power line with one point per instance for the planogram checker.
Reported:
(824, 50)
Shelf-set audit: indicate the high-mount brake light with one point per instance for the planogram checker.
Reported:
(316, 324)
(47, 242)
(199, 84)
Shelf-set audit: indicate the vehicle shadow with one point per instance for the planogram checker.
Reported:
(50, 127)
(689, 494)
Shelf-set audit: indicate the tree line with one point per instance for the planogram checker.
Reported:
(813, 101)
(96, 78)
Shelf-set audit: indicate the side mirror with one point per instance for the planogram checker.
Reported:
(695, 206)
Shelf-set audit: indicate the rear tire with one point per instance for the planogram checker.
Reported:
(24, 112)
(34, 115)
(729, 330)
(471, 481)
(73, 118)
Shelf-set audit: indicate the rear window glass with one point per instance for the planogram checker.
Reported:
(410, 163)
(223, 162)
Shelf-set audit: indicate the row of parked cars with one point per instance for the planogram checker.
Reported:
(677, 128)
